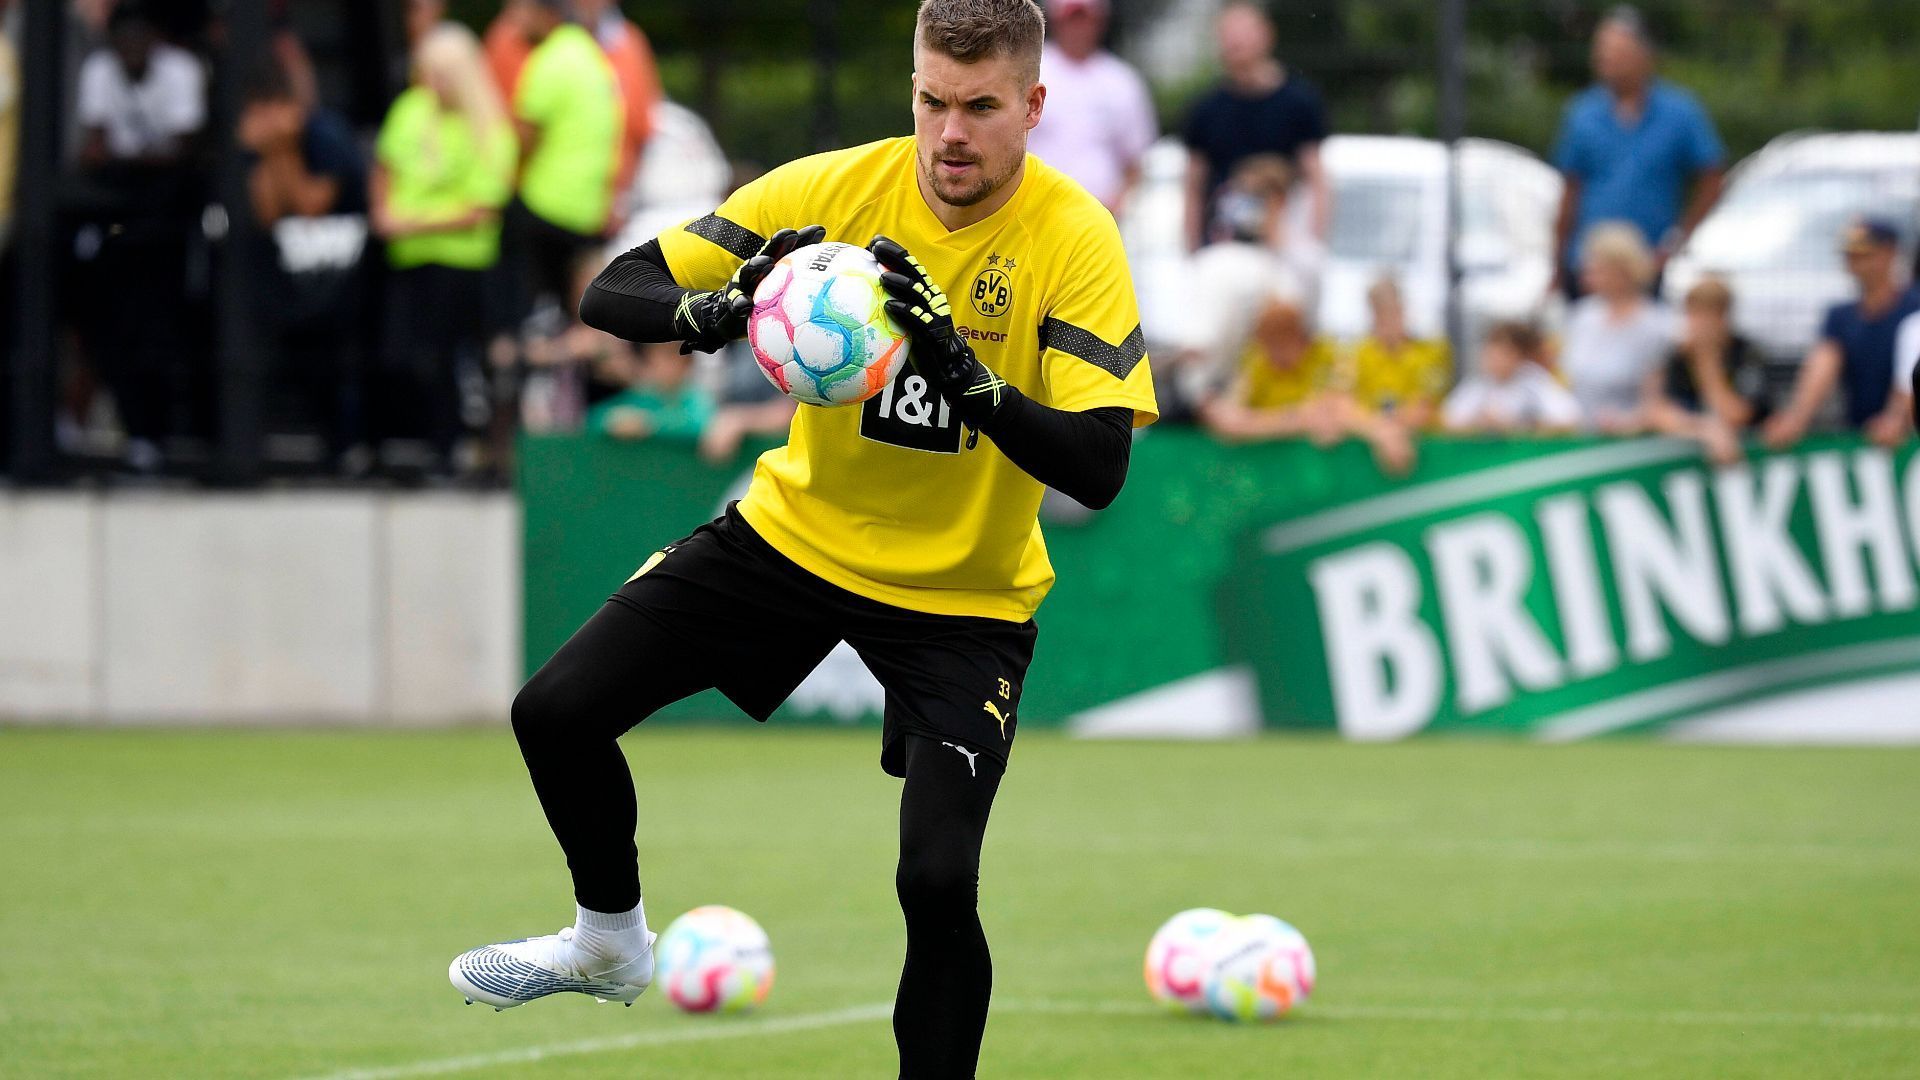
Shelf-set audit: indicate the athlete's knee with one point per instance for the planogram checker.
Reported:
(937, 883)
(545, 711)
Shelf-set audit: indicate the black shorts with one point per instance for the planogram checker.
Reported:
(749, 621)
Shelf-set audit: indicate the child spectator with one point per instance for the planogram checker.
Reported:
(1511, 393)
(1285, 390)
(1714, 383)
(445, 169)
(1393, 374)
(662, 401)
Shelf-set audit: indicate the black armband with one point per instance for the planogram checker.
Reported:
(635, 297)
(1082, 455)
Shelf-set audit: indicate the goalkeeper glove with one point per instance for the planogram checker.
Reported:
(939, 354)
(706, 321)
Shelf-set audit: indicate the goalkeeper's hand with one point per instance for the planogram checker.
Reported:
(706, 321)
(939, 354)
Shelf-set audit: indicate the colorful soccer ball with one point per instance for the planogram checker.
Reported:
(819, 327)
(1259, 969)
(714, 959)
(1178, 957)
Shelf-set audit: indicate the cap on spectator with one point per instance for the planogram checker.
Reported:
(1060, 9)
(1868, 233)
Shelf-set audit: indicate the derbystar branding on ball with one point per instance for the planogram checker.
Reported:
(1259, 969)
(820, 328)
(714, 959)
(1179, 954)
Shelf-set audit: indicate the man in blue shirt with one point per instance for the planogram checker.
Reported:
(1630, 147)
(1856, 346)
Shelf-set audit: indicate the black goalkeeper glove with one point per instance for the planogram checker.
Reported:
(708, 320)
(939, 354)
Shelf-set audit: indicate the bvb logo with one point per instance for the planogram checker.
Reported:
(992, 292)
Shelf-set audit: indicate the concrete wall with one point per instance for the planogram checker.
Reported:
(349, 607)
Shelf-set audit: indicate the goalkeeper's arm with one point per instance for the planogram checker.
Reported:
(635, 297)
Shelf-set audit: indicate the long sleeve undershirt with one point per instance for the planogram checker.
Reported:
(1083, 455)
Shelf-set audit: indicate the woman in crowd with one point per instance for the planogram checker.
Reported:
(1617, 335)
(446, 157)
(1714, 383)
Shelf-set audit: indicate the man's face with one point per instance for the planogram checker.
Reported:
(970, 123)
(1246, 39)
(534, 20)
(133, 44)
(1080, 28)
(1869, 263)
(1620, 60)
(422, 16)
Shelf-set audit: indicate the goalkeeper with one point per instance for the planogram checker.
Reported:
(910, 533)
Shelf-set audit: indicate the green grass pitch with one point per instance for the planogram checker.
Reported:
(284, 904)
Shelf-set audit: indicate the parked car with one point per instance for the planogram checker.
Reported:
(1775, 234)
(1390, 215)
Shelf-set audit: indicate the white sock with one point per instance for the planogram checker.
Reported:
(619, 937)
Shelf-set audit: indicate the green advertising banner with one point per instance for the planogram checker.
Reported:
(1551, 587)
(1578, 591)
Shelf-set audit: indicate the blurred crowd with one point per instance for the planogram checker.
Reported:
(415, 280)
(1642, 167)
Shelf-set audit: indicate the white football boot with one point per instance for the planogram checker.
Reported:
(515, 972)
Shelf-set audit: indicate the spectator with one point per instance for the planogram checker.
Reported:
(1257, 260)
(662, 402)
(141, 100)
(1856, 347)
(1629, 148)
(566, 108)
(1285, 390)
(446, 156)
(1260, 108)
(631, 57)
(1617, 336)
(1393, 374)
(1511, 393)
(1099, 120)
(141, 105)
(9, 131)
(1714, 384)
(507, 48)
(307, 183)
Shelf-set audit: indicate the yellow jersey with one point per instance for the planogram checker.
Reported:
(1381, 380)
(1266, 386)
(885, 499)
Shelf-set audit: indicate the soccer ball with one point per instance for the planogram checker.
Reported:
(819, 327)
(714, 959)
(1259, 968)
(1179, 955)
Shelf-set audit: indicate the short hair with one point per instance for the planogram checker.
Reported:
(1519, 336)
(1627, 18)
(970, 30)
(267, 81)
(1621, 244)
(1710, 292)
(1264, 175)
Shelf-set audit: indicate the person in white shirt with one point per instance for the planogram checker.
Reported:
(1618, 337)
(140, 99)
(1099, 119)
(1511, 393)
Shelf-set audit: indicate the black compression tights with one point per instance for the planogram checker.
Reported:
(567, 720)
